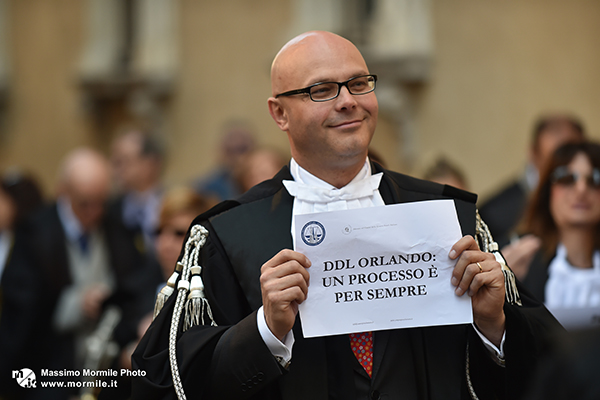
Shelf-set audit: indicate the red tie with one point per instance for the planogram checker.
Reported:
(362, 346)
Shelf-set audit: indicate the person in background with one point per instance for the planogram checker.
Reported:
(82, 267)
(20, 196)
(564, 213)
(137, 159)
(237, 140)
(446, 173)
(504, 210)
(179, 208)
(256, 166)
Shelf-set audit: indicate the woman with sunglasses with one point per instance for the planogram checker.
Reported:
(565, 213)
(178, 209)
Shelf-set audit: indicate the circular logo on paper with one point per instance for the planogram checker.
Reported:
(347, 230)
(313, 233)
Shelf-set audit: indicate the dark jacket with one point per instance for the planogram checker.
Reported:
(231, 361)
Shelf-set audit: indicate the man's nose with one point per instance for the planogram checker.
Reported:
(346, 99)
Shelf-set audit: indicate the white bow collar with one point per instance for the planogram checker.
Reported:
(354, 190)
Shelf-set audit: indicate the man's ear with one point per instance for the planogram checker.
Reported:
(278, 113)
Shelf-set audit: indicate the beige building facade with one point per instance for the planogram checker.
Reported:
(467, 80)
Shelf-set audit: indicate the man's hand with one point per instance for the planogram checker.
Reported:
(284, 284)
(480, 276)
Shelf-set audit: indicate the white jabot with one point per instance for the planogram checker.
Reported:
(312, 194)
(572, 287)
(334, 197)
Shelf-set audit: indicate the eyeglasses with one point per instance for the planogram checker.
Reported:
(562, 176)
(324, 91)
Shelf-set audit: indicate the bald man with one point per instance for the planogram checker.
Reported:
(323, 98)
(80, 267)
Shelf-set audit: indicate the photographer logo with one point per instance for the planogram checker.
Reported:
(25, 378)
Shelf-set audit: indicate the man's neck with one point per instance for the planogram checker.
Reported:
(337, 177)
(71, 225)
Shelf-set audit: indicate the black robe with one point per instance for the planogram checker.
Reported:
(231, 361)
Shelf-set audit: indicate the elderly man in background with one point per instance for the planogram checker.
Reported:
(81, 267)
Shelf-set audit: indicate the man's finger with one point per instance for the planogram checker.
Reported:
(465, 243)
(287, 255)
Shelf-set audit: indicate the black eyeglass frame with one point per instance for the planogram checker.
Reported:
(562, 176)
(307, 89)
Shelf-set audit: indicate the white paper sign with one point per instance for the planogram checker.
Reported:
(380, 268)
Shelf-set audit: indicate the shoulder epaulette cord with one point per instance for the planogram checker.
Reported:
(190, 295)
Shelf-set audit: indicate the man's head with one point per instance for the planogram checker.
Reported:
(20, 196)
(257, 166)
(551, 132)
(237, 140)
(137, 161)
(85, 181)
(326, 136)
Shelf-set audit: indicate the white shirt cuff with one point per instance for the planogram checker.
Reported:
(280, 350)
(497, 352)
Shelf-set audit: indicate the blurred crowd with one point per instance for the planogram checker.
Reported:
(93, 258)
(547, 224)
(547, 220)
(79, 272)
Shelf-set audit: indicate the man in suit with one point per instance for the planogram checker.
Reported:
(237, 140)
(82, 265)
(137, 163)
(257, 350)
